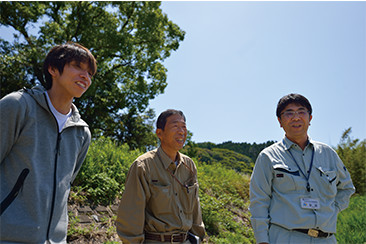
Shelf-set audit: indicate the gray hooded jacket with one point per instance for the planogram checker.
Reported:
(37, 166)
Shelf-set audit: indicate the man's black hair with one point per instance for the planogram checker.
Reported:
(61, 55)
(292, 98)
(160, 123)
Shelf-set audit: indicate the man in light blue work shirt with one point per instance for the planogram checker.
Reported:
(298, 186)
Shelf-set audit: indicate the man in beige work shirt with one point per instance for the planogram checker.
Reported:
(160, 202)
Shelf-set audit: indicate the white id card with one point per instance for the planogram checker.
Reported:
(310, 203)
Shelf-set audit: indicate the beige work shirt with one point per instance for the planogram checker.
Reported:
(155, 202)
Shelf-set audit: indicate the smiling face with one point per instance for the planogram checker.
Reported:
(295, 120)
(173, 136)
(73, 81)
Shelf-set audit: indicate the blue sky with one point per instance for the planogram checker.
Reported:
(239, 58)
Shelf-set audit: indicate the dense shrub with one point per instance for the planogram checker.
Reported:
(101, 188)
(103, 173)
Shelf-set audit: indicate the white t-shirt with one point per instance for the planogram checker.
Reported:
(61, 118)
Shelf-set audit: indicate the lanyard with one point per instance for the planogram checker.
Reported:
(311, 166)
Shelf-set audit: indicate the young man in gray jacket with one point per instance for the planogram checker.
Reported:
(43, 142)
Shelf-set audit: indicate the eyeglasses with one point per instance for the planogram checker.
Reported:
(290, 114)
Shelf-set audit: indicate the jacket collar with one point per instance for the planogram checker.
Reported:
(39, 95)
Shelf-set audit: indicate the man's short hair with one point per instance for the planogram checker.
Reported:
(160, 123)
(292, 98)
(61, 55)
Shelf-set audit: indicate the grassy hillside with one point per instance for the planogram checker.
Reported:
(223, 157)
(224, 191)
(224, 196)
(223, 176)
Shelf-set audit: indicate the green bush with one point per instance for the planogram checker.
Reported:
(103, 174)
(353, 154)
(102, 189)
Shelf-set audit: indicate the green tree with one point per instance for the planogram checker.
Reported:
(130, 41)
(353, 154)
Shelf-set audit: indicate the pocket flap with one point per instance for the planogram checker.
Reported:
(330, 174)
(285, 169)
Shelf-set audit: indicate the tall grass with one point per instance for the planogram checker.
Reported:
(224, 197)
(351, 225)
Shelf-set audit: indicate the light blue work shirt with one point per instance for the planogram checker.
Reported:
(277, 185)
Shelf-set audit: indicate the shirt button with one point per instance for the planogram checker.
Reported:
(176, 194)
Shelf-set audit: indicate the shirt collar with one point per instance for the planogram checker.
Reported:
(165, 158)
(287, 143)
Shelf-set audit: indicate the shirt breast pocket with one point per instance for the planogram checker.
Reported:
(161, 197)
(189, 197)
(285, 179)
(328, 179)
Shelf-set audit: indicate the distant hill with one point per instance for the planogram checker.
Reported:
(227, 158)
(247, 149)
(231, 155)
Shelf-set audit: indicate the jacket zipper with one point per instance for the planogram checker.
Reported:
(54, 185)
(57, 151)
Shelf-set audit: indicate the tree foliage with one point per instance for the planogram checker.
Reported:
(130, 41)
(353, 154)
